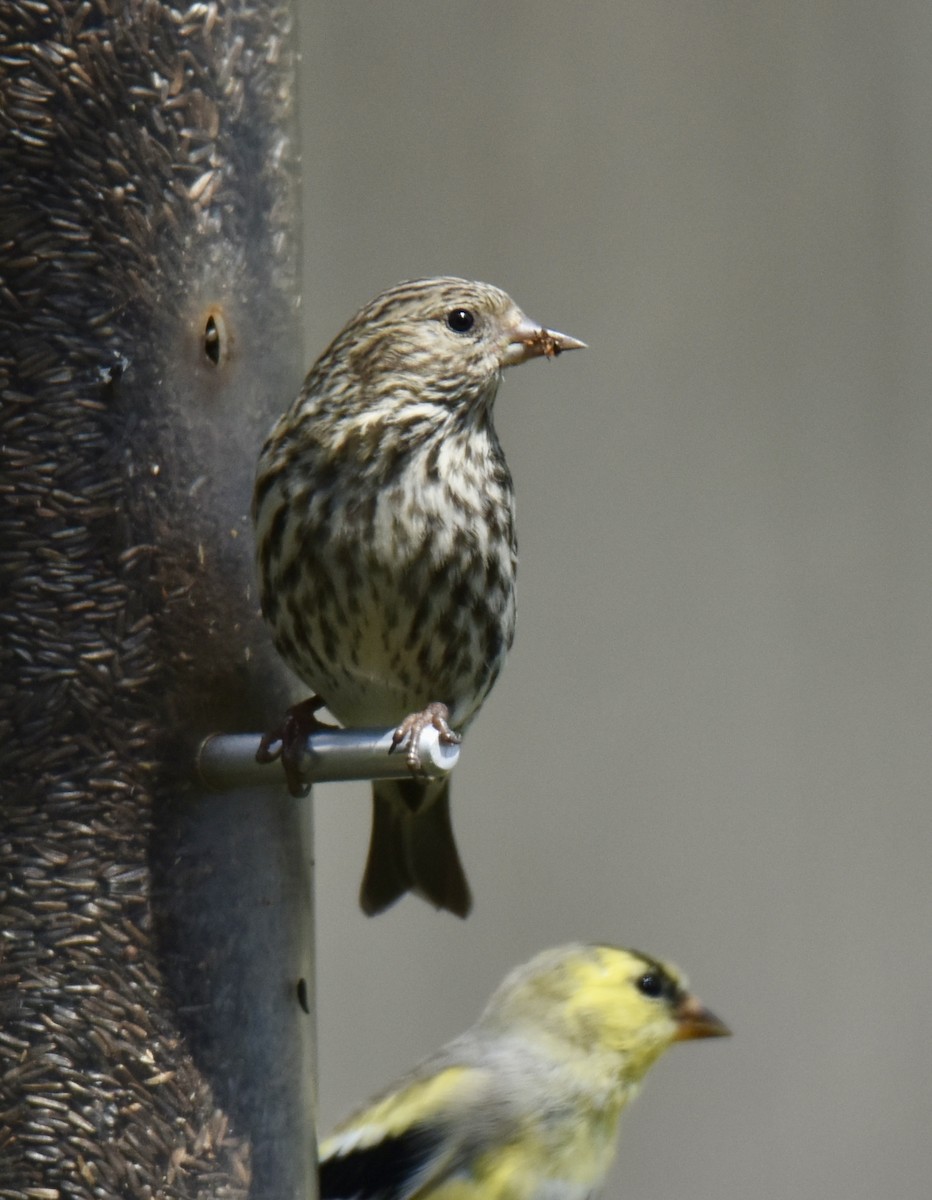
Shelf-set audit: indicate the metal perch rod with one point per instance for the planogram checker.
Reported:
(228, 760)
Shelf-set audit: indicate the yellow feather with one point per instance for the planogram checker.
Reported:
(525, 1105)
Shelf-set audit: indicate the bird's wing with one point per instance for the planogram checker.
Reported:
(406, 1141)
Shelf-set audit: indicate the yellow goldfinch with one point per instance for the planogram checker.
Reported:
(525, 1104)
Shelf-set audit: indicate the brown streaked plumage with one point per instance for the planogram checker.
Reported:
(384, 515)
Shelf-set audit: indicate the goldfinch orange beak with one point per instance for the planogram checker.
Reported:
(695, 1021)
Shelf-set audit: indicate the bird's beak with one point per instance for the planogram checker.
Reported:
(695, 1021)
(529, 340)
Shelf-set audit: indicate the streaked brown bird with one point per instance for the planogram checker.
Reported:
(384, 514)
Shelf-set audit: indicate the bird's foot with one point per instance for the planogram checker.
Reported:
(435, 716)
(288, 741)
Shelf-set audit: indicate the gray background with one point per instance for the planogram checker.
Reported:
(712, 739)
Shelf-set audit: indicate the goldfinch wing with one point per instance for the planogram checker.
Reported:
(408, 1140)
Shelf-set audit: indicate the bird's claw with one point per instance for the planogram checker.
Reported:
(434, 716)
(289, 740)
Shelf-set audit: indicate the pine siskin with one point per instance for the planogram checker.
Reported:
(386, 546)
(525, 1104)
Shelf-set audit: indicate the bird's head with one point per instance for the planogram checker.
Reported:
(598, 1001)
(438, 342)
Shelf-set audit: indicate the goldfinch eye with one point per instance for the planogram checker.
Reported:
(460, 320)
(651, 985)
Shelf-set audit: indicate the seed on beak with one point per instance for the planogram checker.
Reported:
(552, 344)
(530, 340)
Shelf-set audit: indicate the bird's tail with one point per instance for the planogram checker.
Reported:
(412, 848)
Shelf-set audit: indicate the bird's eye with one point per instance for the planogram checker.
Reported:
(651, 984)
(460, 320)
